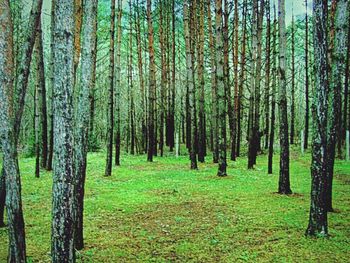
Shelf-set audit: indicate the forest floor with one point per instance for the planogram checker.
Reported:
(163, 212)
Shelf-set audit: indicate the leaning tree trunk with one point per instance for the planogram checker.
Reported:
(62, 236)
(82, 118)
(337, 72)
(221, 90)
(318, 225)
(284, 183)
(110, 111)
(17, 246)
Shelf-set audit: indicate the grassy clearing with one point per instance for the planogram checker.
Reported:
(163, 212)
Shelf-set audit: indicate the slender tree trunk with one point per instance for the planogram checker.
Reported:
(110, 110)
(241, 80)
(284, 183)
(338, 55)
(267, 74)
(163, 83)
(62, 236)
(318, 225)
(118, 88)
(37, 115)
(152, 84)
(173, 82)
(17, 246)
(306, 133)
(51, 76)
(252, 98)
(201, 113)
(82, 118)
(236, 83)
(131, 86)
(191, 88)
(213, 86)
(221, 89)
(42, 96)
(292, 112)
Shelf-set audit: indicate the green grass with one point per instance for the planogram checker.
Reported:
(163, 212)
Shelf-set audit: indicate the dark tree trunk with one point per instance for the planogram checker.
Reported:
(110, 110)
(82, 118)
(318, 225)
(163, 83)
(236, 83)
(37, 116)
(338, 56)
(42, 96)
(284, 183)
(118, 88)
(214, 119)
(221, 89)
(191, 88)
(152, 84)
(201, 113)
(273, 92)
(306, 133)
(267, 75)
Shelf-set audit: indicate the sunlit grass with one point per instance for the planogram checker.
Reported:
(164, 212)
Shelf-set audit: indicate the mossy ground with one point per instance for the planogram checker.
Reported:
(164, 212)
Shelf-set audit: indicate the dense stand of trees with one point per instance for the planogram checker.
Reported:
(214, 76)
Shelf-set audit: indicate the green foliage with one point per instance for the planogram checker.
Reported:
(164, 212)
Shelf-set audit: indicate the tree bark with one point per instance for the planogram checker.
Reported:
(267, 74)
(110, 110)
(82, 118)
(17, 246)
(221, 89)
(318, 225)
(284, 183)
(306, 133)
(292, 111)
(152, 84)
(338, 55)
(62, 236)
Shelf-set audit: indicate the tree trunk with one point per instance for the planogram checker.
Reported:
(152, 84)
(284, 183)
(273, 92)
(118, 88)
(110, 110)
(267, 75)
(214, 104)
(17, 246)
(37, 115)
(163, 83)
(62, 236)
(338, 55)
(318, 213)
(292, 111)
(201, 113)
(221, 89)
(306, 134)
(236, 98)
(42, 95)
(191, 88)
(82, 118)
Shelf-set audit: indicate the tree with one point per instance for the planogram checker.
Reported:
(214, 119)
(17, 246)
(152, 84)
(220, 89)
(273, 92)
(267, 74)
(62, 236)
(82, 118)
(318, 225)
(118, 88)
(292, 111)
(110, 111)
(338, 56)
(190, 84)
(284, 183)
(306, 133)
